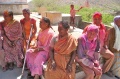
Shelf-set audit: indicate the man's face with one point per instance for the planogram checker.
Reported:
(97, 20)
(118, 22)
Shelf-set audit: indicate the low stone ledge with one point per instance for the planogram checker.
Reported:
(54, 16)
(78, 19)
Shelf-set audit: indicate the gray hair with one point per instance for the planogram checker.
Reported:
(26, 10)
(64, 24)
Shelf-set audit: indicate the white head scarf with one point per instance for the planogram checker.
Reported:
(117, 33)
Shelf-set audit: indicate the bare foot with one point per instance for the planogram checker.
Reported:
(97, 70)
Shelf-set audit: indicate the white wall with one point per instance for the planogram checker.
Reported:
(13, 1)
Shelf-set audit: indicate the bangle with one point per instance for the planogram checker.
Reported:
(53, 61)
(69, 65)
(38, 49)
(106, 47)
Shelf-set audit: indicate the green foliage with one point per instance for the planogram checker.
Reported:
(107, 18)
(86, 13)
(46, 3)
(38, 3)
(63, 9)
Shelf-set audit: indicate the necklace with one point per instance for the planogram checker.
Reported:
(11, 22)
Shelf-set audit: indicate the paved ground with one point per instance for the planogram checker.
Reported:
(13, 74)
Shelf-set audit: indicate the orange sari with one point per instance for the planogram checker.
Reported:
(27, 26)
(62, 54)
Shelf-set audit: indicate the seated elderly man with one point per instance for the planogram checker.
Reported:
(114, 46)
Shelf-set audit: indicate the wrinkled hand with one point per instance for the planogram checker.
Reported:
(36, 50)
(97, 70)
(69, 68)
(11, 44)
(96, 63)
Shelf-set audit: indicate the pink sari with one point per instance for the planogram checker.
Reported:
(2, 53)
(13, 53)
(36, 60)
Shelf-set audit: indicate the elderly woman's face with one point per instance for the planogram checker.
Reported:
(43, 24)
(62, 31)
(7, 17)
(25, 14)
(91, 35)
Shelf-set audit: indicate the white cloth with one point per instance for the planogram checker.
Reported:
(117, 37)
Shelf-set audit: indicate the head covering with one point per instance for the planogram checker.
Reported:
(117, 33)
(97, 15)
(6, 13)
(93, 27)
(27, 10)
(116, 18)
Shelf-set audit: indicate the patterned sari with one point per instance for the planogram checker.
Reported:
(13, 34)
(63, 48)
(2, 52)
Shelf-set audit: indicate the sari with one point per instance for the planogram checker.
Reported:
(27, 26)
(35, 60)
(87, 53)
(13, 34)
(2, 52)
(63, 48)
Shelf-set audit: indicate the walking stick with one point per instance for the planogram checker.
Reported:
(20, 77)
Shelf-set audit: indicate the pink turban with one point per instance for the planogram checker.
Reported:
(93, 27)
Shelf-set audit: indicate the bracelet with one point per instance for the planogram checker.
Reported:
(69, 65)
(106, 47)
(38, 49)
(53, 62)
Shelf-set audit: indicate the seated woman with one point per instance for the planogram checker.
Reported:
(61, 64)
(37, 56)
(2, 52)
(12, 42)
(88, 56)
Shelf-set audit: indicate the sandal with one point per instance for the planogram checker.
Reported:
(117, 77)
(29, 76)
(20, 66)
(4, 69)
(11, 66)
